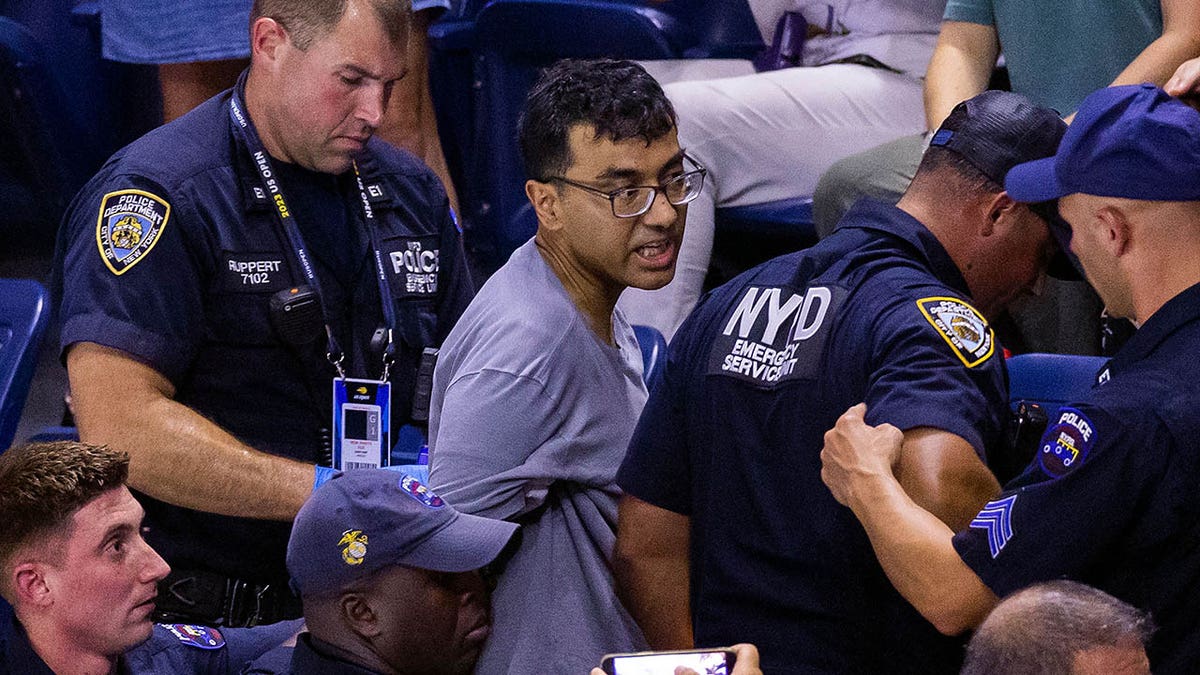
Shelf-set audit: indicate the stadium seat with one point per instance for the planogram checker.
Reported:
(41, 169)
(23, 318)
(1051, 380)
(654, 352)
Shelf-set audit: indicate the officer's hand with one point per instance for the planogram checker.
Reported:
(856, 453)
(1185, 83)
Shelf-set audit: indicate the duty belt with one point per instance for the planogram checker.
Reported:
(198, 596)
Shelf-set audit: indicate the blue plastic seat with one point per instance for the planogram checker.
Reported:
(1051, 380)
(654, 352)
(23, 317)
(46, 155)
(787, 223)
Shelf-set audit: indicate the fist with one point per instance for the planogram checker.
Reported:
(856, 452)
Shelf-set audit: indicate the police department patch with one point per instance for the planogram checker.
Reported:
(129, 225)
(1066, 443)
(962, 327)
(419, 492)
(415, 265)
(201, 637)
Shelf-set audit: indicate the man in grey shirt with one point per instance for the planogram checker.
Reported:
(539, 385)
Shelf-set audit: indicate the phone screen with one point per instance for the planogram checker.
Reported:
(704, 663)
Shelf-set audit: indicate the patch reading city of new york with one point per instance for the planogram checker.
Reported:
(129, 225)
(962, 327)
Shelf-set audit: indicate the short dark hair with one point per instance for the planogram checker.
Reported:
(943, 160)
(1040, 629)
(618, 99)
(42, 485)
(307, 20)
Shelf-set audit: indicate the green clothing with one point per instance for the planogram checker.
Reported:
(1059, 51)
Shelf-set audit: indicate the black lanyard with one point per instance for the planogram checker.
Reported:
(245, 130)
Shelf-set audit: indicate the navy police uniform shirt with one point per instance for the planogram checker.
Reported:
(1112, 498)
(310, 656)
(732, 434)
(172, 254)
(172, 648)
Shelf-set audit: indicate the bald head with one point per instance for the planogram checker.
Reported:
(1138, 254)
(1060, 627)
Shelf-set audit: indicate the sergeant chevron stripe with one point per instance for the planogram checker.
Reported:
(996, 519)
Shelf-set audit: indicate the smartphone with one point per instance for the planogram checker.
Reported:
(702, 661)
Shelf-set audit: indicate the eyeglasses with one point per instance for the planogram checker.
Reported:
(631, 202)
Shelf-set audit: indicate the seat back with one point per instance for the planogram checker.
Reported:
(654, 352)
(1051, 380)
(45, 157)
(23, 316)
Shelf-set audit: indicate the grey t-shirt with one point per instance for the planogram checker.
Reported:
(530, 417)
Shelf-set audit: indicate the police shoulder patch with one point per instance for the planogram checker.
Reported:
(414, 264)
(200, 637)
(962, 327)
(1066, 443)
(129, 225)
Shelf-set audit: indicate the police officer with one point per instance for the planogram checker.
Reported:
(81, 580)
(221, 276)
(391, 580)
(1112, 498)
(890, 309)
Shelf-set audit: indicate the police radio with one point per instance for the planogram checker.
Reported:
(296, 315)
(1028, 422)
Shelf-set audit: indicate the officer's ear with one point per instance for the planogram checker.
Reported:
(29, 585)
(358, 615)
(1115, 228)
(546, 202)
(266, 37)
(1000, 209)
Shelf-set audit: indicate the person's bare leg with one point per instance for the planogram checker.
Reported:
(410, 122)
(186, 85)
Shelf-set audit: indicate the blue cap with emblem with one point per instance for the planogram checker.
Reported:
(363, 520)
(1132, 141)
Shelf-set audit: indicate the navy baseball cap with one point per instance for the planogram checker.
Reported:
(1133, 141)
(999, 130)
(363, 520)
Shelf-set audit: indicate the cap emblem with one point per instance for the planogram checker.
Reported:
(355, 543)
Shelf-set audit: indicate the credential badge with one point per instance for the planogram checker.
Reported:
(129, 225)
(962, 327)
